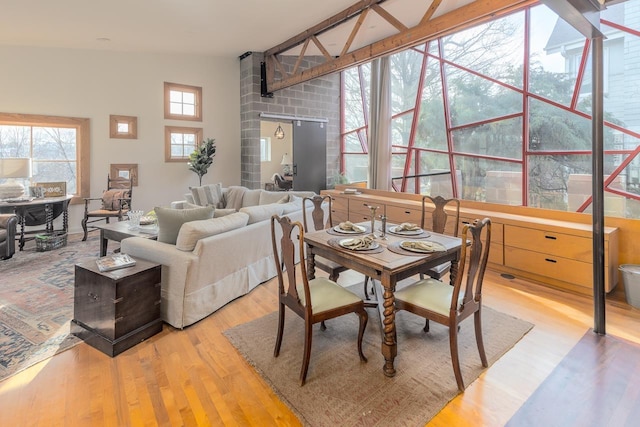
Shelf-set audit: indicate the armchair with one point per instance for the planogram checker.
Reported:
(281, 183)
(116, 202)
(8, 223)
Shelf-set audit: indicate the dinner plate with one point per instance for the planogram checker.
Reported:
(394, 229)
(340, 230)
(373, 245)
(409, 245)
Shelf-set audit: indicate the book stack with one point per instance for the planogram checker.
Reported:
(114, 262)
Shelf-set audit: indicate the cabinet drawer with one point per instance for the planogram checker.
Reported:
(556, 244)
(496, 254)
(358, 209)
(398, 215)
(339, 216)
(340, 203)
(497, 229)
(559, 268)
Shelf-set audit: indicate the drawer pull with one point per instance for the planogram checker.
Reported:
(550, 260)
(93, 296)
(551, 237)
(466, 222)
(407, 212)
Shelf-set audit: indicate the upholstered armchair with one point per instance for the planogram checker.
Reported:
(8, 223)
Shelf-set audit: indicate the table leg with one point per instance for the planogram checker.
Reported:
(453, 272)
(21, 220)
(103, 243)
(311, 264)
(389, 344)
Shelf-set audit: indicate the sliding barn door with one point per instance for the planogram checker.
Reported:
(309, 155)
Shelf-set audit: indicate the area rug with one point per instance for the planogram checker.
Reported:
(36, 302)
(340, 390)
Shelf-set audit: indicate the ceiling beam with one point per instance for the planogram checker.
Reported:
(583, 15)
(471, 14)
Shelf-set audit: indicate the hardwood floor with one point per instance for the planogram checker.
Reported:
(195, 377)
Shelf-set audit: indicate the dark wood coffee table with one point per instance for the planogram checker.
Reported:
(119, 230)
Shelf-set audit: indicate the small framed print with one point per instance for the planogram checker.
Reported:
(53, 189)
(125, 171)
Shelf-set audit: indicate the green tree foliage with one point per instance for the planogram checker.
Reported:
(202, 157)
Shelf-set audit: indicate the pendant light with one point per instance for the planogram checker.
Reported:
(279, 133)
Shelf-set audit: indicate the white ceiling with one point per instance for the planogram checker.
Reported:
(203, 27)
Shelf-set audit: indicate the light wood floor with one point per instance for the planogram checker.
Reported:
(195, 377)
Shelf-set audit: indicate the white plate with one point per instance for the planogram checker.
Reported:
(340, 230)
(373, 245)
(407, 245)
(394, 229)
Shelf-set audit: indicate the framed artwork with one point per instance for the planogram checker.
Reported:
(52, 189)
(125, 127)
(125, 171)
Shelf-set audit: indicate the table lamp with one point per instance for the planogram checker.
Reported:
(286, 164)
(12, 168)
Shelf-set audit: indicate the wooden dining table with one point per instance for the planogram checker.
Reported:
(387, 264)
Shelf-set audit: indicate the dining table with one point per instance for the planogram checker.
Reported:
(386, 261)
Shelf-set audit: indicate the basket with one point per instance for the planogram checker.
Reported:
(50, 241)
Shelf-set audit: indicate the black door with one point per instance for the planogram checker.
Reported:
(309, 156)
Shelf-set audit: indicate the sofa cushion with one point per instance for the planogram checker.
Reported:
(294, 204)
(193, 231)
(251, 198)
(170, 220)
(262, 212)
(218, 213)
(268, 197)
(208, 195)
(233, 197)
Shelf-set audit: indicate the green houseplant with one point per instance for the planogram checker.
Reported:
(202, 157)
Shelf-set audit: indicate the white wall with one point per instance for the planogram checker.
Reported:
(95, 84)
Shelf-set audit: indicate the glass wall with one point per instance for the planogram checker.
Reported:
(507, 106)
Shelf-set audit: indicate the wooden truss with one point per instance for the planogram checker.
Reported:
(275, 73)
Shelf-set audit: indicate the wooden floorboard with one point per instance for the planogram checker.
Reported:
(596, 384)
(195, 377)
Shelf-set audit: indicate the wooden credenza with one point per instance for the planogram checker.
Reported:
(552, 252)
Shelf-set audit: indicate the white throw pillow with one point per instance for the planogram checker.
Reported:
(171, 220)
(208, 195)
(268, 197)
(262, 212)
(251, 198)
(193, 231)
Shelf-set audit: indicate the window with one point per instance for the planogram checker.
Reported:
(179, 143)
(504, 112)
(265, 149)
(58, 147)
(125, 127)
(182, 102)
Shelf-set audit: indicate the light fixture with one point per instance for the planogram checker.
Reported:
(286, 164)
(11, 168)
(279, 133)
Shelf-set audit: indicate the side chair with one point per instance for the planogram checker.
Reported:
(439, 219)
(313, 300)
(450, 305)
(8, 225)
(115, 203)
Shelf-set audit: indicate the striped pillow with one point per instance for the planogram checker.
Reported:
(208, 195)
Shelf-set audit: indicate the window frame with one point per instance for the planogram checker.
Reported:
(168, 130)
(195, 90)
(83, 143)
(130, 121)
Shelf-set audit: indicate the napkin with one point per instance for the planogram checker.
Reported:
(349, 226)
(426, 246)
(359, 242)
(407, 226)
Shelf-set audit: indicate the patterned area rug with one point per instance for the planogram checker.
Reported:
(36, 302)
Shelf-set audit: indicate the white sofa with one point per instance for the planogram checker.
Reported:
(230, 255)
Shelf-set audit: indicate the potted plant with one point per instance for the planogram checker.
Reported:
(202, 157)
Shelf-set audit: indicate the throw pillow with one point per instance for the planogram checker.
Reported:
(170, 221)
(268, 197)
(223, 212)
(262, 212)
(251, 197)
(193, 231)
(208, 195)
(111, 199)
(233, 197)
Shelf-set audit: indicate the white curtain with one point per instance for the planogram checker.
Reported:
(380, 126)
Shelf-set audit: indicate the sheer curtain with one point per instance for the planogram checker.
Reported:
(380, 125)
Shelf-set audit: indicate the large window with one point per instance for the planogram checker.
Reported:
(501, 113)
(58, 147)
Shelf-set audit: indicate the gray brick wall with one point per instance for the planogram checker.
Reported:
(317, 99)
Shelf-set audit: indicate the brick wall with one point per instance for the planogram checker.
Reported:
(317, 99)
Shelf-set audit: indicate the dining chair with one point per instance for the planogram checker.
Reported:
(314, 300)
(320, 223)
(450, 305)
(439, 220)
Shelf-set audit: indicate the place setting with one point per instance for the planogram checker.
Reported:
(416, 247)
(407, 229)
(357, 244)
(347, 228)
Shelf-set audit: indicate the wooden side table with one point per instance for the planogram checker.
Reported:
(115, 310)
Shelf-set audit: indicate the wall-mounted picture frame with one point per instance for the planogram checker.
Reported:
(125, 171)
(53, 189)
(124, 127)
